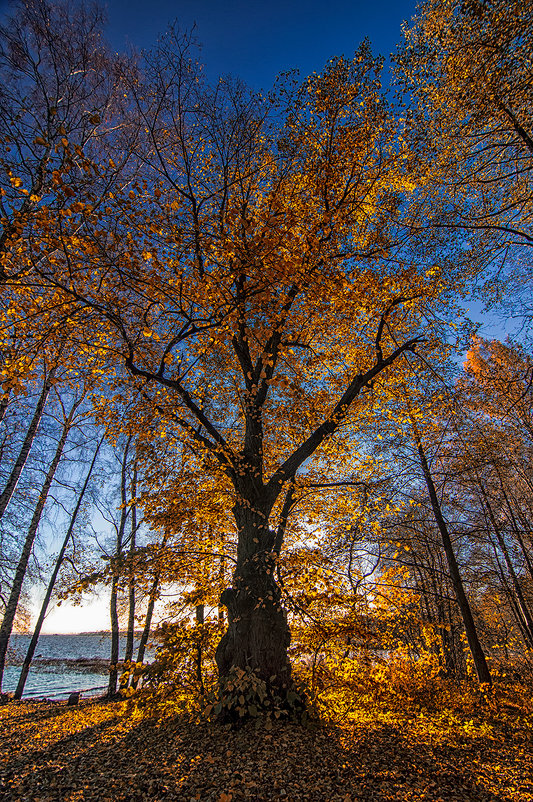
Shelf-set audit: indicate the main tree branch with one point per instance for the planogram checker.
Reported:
(288, 470)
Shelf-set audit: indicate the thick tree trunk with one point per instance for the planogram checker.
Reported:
(258, 634)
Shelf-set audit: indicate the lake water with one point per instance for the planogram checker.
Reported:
(52, 673)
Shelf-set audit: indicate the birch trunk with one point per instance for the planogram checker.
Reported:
(51, 584)
(9, 489)
(20, 573)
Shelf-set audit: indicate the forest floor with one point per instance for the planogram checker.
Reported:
(108, 752)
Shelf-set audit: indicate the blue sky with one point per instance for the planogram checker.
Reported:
(256, 40)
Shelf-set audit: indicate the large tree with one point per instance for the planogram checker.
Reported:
(251, 281)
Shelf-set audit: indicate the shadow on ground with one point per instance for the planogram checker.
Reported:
(99, 752)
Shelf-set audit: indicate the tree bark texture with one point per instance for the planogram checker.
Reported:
(258, 634)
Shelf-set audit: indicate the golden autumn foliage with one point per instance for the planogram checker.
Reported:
(258, 294)
(468, 68)
(248, 288)
(454, 746)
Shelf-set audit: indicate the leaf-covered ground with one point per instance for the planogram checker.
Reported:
(103, 751)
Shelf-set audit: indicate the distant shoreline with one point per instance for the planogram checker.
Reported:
(99, 665)
(101, 632)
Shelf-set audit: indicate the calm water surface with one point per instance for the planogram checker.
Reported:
(50, 676)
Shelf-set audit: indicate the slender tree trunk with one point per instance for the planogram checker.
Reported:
(516, 530)
(9, 489)
(476, 649)
(523, 548)
(526, 614)
(515, 609)
(113, 611)
(51, 584)
(146, 630)
(444, 622)
(515, 527)
(115, 638)
(4, 404)
(130, 634)
(20, 573)
(199, 653)
(221, 581)
(152, 598)
(426, 598)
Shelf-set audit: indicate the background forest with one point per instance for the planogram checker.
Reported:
(239, 384)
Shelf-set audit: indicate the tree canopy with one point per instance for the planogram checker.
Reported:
(258, 295)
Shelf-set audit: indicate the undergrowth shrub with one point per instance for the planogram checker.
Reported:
(334, 679)
(242, 694)
(183, 670)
